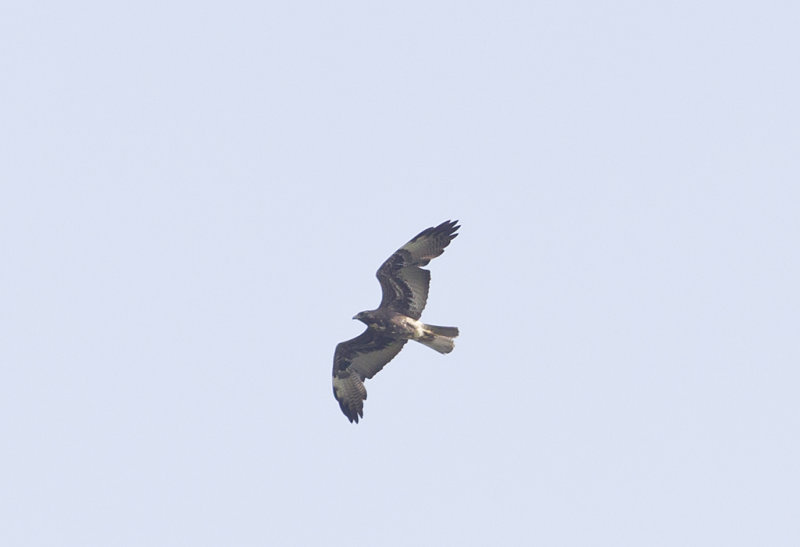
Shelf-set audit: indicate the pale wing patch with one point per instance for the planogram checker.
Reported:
(349, 390)
(430, 243)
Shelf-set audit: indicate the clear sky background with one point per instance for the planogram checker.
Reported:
(196, 196)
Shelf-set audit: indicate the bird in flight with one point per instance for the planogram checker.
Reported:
(404, 284)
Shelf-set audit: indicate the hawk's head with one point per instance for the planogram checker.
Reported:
(365, 317)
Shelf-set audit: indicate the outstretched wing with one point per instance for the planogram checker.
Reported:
(356, 360)
(403, 282)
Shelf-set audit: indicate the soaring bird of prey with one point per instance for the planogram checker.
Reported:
(404, 284)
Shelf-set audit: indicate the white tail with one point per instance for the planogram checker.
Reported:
(438, 338)
(442, 344)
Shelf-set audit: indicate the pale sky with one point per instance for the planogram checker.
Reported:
(195, 198)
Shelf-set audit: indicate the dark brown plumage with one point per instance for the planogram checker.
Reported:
(404, 284)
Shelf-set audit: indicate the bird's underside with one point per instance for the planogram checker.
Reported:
(404, 285)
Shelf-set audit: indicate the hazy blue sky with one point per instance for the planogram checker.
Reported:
(195, 198)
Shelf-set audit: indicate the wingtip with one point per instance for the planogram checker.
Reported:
(351, 414)
(354, 417)
(453, 227)
(449, 226)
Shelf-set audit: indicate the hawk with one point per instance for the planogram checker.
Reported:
(404, 284)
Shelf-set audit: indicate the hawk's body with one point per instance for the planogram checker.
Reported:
(405, 292)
